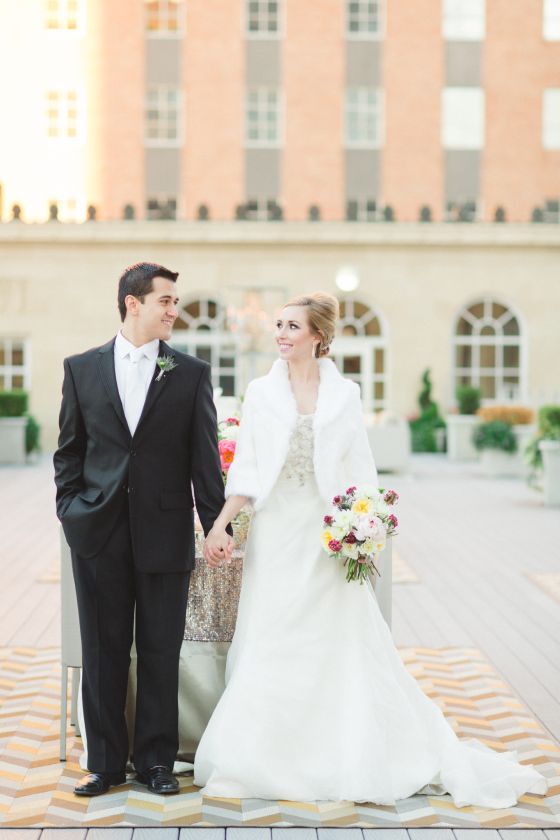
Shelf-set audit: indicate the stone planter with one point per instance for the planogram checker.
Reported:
(460, 429)
(523, 434)
(550, 450)
(12, 440)
(496, 463)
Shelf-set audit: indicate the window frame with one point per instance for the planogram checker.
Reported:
(378, 111)
(452, 30)
(551, 20)
(23, 370)
(550, 128)
(64, 31)
(278, 142)
(63, 120)
(172, 34)
(475, 372)
(263, 35)
(366, 35)
(164, 142)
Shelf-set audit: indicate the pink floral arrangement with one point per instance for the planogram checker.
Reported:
(357, 527)
(227, 441)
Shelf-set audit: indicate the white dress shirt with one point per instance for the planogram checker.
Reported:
(124, 352)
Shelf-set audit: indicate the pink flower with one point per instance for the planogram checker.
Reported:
(393, 520)
(391, 497)
(232, 421)
(335, 545)
(337, 500)
(226, 449)
(350, 491)
(328, 520)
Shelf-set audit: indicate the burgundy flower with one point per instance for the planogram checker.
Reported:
(337, 500)
(335, 545)
(391, 497)
(393, 520)
(350, 491)
(350, 538)
(328, 520)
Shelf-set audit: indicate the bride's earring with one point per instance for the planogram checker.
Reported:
(313, 349)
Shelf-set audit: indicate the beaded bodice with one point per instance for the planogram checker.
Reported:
(299, 460)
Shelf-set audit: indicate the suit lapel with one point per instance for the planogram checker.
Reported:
(156, 388)
(106, 362)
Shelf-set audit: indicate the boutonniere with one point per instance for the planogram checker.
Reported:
(165, 364)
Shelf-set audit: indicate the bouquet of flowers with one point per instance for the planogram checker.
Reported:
(227, 439)
(357, 528)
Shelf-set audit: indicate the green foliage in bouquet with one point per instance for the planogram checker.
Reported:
(495, 435)
(32, 434)
(424, 426)
(13, 403)
(468, 399)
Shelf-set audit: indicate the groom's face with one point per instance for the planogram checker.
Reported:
(156, 316)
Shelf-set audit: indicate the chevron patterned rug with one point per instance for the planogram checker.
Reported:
(36, 789)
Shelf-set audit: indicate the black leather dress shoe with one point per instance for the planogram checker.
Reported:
(159, 779)
(94, 784)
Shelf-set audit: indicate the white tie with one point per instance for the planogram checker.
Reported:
(135, 394)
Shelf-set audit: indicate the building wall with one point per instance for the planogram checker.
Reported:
(60, 292)
(111, 60)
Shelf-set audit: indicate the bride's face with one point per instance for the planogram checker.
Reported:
(293, 334)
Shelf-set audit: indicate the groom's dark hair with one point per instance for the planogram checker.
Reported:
(137, 280)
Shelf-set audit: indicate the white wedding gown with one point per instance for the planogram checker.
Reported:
(318, 704)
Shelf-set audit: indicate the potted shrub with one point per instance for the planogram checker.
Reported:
(521, 420)
(543, 454)
(13, 423)
(428, 427)
(496, 441)
(460, 426)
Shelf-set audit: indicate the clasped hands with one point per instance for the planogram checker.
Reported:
(218, 547)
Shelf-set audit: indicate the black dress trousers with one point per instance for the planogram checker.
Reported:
(110, 590)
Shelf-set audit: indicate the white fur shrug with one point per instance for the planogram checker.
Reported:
(342, 456)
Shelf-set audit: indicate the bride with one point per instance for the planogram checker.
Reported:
(318, 704)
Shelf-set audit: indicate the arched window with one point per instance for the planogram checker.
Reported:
(360, 351)
(201, 331)
(488, 350)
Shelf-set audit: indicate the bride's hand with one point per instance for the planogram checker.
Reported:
(217, 547)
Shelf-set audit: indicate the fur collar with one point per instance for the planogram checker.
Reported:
(334, 392)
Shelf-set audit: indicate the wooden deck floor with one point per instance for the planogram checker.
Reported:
(263, 833)
(472, 541)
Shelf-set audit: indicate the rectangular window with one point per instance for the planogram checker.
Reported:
(551, 118)
(67, 209)
(259, 210)
(363, 18)
(361, 210)
(263, 18)
(262, 117)
(14, 365)
(63, 14)
(463, 118)
(551, 20)
(61, 113)
(159, 208)
(364, 128)
(164, 17)
(463, 20)
(163, 116)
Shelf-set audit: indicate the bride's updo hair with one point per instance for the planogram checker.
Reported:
(322, 314)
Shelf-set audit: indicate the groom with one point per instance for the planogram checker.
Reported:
(137, 430)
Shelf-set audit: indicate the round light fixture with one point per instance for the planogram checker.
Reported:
(347, 279)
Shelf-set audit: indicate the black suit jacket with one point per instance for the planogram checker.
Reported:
(102, 472)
